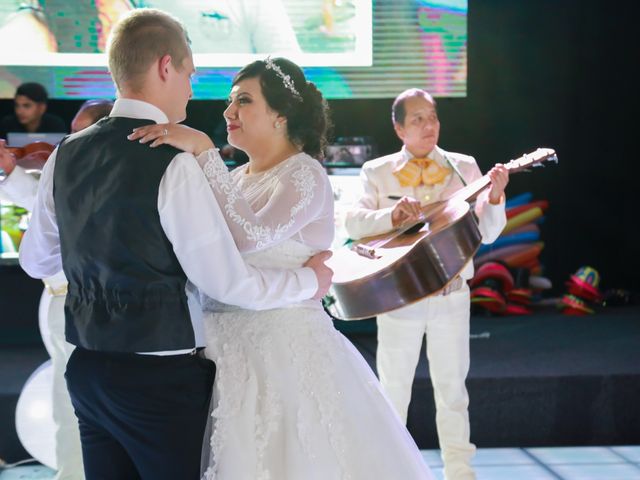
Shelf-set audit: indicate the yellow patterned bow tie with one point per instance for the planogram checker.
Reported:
(421, 171)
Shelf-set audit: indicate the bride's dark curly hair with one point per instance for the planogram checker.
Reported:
(307, 113)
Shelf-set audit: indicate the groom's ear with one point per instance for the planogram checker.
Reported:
(164, 64)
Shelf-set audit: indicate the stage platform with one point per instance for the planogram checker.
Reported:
(538, 381)
(545, 379)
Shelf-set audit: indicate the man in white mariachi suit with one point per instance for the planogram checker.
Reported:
(21, 187)
(394, 188)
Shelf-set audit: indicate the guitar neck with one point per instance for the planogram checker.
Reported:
(471, 191)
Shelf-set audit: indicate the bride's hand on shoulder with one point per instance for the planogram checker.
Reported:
(180, 136)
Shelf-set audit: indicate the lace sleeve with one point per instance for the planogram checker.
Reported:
(296, 198)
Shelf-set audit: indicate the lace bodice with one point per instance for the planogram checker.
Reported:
(291, 201)
(278, 218)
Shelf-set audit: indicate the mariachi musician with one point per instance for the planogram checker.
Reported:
(395, 188)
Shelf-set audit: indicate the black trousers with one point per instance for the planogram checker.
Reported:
(140, 416)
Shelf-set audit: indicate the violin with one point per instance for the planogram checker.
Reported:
(33, 155)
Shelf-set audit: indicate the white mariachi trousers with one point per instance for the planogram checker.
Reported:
(445, 321)
(67, 436)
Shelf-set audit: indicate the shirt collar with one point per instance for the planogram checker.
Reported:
(406, 155)
(130, 108)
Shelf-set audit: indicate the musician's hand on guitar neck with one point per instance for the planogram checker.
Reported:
(499, 176)
(406, 210)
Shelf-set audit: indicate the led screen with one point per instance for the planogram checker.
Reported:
(349, 48)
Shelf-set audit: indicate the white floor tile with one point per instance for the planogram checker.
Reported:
(501, 456)
(574, 455)
(432, 457)
(513, 472)
(624, 471)
(631, 453)
(30, 472)
(438, 473)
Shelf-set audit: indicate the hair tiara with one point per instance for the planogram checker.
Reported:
(286, 79)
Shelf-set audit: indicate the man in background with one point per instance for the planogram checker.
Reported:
(30, 112)
(89, 113)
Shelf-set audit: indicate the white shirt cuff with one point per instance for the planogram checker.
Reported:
(14, 183)
(385, 219)
(308, 281)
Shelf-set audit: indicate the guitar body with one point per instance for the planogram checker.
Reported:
(392, 271)
(379, 274)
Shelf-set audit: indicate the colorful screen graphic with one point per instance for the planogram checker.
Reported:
(349, 48)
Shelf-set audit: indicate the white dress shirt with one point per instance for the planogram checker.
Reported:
(20, 188)
(195, 226)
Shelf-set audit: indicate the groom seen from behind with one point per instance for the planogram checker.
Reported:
(133, 228)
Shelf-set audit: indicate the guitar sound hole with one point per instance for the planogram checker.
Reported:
(415, 229)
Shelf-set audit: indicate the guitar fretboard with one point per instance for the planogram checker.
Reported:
(525, 161)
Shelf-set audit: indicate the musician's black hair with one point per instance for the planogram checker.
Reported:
(398, 112)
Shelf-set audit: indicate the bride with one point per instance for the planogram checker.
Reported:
(293, 399)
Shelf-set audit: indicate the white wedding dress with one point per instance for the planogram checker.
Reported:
(293, 399)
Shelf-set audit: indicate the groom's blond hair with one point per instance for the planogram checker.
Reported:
(141, 38)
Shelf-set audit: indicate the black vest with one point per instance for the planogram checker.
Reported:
(126, 287)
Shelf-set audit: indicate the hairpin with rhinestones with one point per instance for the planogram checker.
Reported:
(286, 79)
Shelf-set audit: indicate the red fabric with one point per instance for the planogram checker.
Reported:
(520, 295)
(582, 289)
(513, 309)
(571, 303)
(496, 271)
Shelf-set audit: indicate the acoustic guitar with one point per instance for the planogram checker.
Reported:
(32, 156)
(379, 274)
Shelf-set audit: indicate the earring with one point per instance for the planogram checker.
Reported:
(277, 124)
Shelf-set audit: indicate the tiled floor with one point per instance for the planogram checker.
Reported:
(566, 463)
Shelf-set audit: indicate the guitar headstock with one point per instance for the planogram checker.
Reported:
(533, 159)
